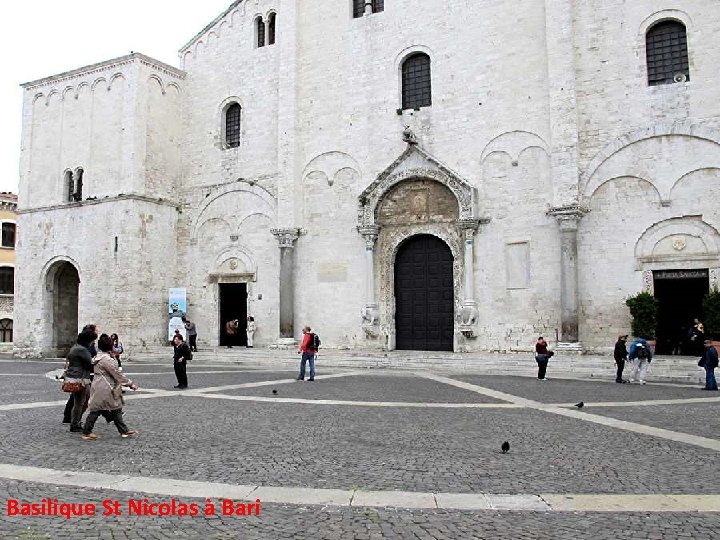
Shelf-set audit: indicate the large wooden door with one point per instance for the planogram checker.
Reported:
(424, 295)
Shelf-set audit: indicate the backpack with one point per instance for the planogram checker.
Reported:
(642, 353)
(314, 342)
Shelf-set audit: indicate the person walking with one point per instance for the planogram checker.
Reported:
(542, 355)
(79, 368)
(621, 355)
(308, 348)
(106, 392)
(250, 331)
(709, 361)
(192, 333)
(641, 356)
(231, 329)
(117, 349)
(182, 354)
(91, 329)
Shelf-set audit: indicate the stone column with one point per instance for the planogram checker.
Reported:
(568, 219)
(286, 239)
(370, 313)
(468, 312)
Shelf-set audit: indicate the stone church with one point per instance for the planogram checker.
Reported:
(440, 175)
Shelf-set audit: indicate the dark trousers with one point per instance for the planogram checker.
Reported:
(181, 373)
(79, 406)
(710, 382)
(620, 368)
(542, 363)
(193, 343)
(116, 416)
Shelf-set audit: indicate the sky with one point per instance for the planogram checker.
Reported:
(47, 37)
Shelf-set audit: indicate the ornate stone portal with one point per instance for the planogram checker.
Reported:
(416, 194)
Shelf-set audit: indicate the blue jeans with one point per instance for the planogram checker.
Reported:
(710, 382)
(305, 358)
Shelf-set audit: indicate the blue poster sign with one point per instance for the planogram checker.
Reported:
(177, 307)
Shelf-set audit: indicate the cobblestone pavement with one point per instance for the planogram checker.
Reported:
(210, 436)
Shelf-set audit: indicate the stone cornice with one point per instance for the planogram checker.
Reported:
(210, 25)
(102, 66)
(116, 198)
(570, 211)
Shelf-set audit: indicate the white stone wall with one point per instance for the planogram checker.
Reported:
(534, 108)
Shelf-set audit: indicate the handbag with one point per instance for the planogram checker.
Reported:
(116, 390)
(73, 386)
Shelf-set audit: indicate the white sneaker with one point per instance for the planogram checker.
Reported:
(632, 381)
(642, 382)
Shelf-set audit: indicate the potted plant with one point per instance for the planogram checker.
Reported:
(644, 310)
(711, 309)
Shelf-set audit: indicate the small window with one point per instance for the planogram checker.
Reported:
(77, 195)
(667, 53)
(8, 235)
(260, 28)
(232, 125)
(271, 29)
(416, 87)
(358, 8)
(7, 280)
(378, 5)
(6, 330)
(69, 184)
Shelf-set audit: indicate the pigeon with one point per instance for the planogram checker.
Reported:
(580, 405)
(274, 391)
(505, 447)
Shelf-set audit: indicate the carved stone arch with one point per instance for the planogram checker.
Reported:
(51, 266)
(244, 261)
(98, 81)
(159, 81)
(591, 179)
(230, 188)
(690, 173)
(68, 90)
(513, 143)
(661, 16)
(686, 239)
(414, 162)
(635, 177)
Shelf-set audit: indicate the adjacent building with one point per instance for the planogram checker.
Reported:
(400, 175)
(8, 205)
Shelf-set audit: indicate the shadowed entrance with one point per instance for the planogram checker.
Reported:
(63, 283)
(424, 295)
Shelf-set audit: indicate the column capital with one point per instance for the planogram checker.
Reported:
(286, 237)
(470, 225)
(568, 216)
(369, 233)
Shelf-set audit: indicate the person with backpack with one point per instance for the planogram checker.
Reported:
(181, 355)
(641, 356)
(308, 348)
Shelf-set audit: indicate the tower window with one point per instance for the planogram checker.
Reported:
(260, 29)
(667, 53)
(416, 84)
(271, 29)
(232, 125)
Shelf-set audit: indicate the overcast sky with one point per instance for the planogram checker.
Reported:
(46, 37)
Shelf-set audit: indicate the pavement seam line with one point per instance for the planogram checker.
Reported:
(695, 440)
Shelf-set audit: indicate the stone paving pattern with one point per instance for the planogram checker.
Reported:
(574, 391)
(333, 446)
(372, 388)
(332, 523)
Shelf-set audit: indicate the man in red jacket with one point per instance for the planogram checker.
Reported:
(308, 354)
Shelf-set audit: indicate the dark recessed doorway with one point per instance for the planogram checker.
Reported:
(424, 308)
(233, 305)
(680, 294)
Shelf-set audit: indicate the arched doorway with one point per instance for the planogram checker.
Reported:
(63, 283)
(424, 309)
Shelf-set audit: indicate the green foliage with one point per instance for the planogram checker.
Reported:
(644, 310)
(711, 309)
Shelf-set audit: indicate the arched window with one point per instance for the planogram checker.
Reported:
(667, 53)
(271, 29)
(69, 184)
(77, 195)
(232, 125)
(6, 328)
(7, 280)
(260, 30)
(8, 235)
(359, 7)
(416, 84)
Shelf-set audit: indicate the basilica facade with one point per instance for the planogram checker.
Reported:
(438, 175)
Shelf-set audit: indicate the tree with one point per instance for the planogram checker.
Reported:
(711, 309)
(644, 310)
